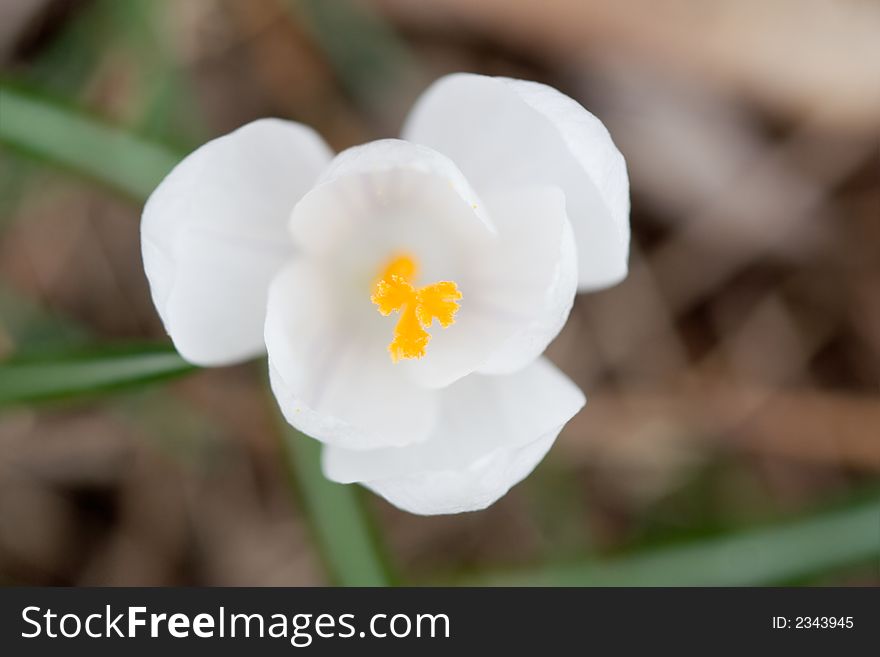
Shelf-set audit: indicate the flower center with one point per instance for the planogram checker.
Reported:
(418, 307)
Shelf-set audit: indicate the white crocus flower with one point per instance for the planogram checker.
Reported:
(404, 289)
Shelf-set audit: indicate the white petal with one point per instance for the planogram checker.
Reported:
(383, 192)
(491, 432)
(477, 486)
(214, 233)
(502, 132)
(389, 197)
(528, 281)
(516, 296)
(332, 380)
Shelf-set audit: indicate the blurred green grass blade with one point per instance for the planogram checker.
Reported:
(31, 379)
(347, 542)
(65, 137)
(775, 555)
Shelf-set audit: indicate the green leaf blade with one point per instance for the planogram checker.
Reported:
(348, 544)
(35, 379)
(760, 557)
(49, 131)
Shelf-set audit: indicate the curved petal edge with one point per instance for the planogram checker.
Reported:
(503, 132)
(213, 235)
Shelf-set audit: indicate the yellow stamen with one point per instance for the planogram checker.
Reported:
(418, 307)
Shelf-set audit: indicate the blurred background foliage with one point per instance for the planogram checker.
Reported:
(732, 433)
